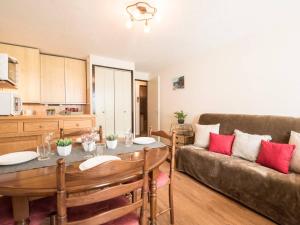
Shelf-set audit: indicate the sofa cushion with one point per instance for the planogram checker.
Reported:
(273, 194)
(220, 143)
(295, 162)
(276, 156)
(247, 146)
(202, 134)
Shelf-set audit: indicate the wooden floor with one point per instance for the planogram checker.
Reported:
(196, 204)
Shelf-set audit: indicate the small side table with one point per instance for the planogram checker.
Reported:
(184, 134)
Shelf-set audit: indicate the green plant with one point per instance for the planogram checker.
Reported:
(64, 142)
(111, 137)
(180, 115)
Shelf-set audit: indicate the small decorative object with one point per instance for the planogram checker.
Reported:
(178, 83)
(112, 141)
(180, 116)
(64, 146)
(89, 142)
(50, 112)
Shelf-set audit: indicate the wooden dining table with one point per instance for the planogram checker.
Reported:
(22, 186)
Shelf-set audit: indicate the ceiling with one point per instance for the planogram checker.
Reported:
(187, 28)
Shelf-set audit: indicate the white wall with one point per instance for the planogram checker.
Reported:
(258, 74)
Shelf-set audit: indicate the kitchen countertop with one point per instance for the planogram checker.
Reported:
(24, 117)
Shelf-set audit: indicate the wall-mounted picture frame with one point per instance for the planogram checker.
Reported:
(178, 83)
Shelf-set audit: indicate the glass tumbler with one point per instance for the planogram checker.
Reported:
(128, 139)
(43, 152)
(100, 149)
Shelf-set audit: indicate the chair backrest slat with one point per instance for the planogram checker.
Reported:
(102, 195)
(109, 215)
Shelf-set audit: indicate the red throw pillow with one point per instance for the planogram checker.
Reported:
(276, 156)
(221, 143)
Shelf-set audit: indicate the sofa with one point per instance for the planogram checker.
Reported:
(266, 191)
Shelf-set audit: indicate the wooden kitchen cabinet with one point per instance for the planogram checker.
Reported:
(75, 77)
(28, 86)
(52, 79)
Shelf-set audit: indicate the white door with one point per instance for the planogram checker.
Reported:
(154, 103)
(123, 102)
(104, 99)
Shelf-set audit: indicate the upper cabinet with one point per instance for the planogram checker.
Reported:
(63, 80)
(29, 71)
(52, 79)
(75, 77)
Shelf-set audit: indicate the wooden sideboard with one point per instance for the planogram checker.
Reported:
(19, 133)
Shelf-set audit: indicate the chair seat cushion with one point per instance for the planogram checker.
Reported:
(162, 179)
(84, 212)
(40, 209)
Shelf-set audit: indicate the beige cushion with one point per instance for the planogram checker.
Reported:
(202, 134)
(247, 146)
(295, 162)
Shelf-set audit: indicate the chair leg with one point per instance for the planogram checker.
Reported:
(171, 204)
(53, 219)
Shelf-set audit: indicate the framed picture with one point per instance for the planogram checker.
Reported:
(178, 83)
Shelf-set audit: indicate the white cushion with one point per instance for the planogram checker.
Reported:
(247, 146)
(202, 134)
(295, 162)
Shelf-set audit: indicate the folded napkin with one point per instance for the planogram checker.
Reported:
(90, 163)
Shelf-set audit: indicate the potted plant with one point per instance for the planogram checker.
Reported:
(112, 141)
(180, 115)
(64, 146)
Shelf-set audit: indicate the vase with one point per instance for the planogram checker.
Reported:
(180, 121)
(112, 144)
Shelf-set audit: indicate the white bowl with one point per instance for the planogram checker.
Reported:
(64, 151)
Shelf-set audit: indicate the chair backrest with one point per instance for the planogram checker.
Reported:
(63, 134)
(112, 179)
(172, 146)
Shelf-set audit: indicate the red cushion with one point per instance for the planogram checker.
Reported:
(276, 156)
(221, 143)
(84, 212)
(40, 209)
(162, 179)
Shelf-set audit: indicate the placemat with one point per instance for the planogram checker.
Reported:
(76, 155)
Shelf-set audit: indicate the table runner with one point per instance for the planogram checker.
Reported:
(76, 155)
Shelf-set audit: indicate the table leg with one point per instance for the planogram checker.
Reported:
(153, 196)
(20, 210)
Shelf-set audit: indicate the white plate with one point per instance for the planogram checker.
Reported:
(17, 157)
(144, 140)
(90, 163)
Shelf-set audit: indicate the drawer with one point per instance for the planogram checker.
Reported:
(8, 127)
(74, 124)
(40, 126)
(180, 139)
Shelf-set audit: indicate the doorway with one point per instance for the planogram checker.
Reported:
(141, 100)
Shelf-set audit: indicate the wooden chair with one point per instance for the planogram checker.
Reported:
(103, 204)
(164, 179)
(62, 133)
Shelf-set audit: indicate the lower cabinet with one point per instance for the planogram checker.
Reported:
(18, 134)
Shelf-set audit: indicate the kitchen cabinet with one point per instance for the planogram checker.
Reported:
(75, 77)
(52, 79)
(63, 80)
(28, 86)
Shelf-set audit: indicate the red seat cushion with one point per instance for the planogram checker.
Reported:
(39, 210)
(162, 179)
(84, 212)
(275, 155)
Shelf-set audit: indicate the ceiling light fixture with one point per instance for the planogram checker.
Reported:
(140, 12)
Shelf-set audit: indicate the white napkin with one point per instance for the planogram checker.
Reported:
(90, 163)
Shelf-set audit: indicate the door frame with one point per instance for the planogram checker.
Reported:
(93, 91)
(147, 81)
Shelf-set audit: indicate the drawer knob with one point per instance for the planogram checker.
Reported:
(77, 125)
(41, 126)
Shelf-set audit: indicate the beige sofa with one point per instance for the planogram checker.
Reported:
(268, 192)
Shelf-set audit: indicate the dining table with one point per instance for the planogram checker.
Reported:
(26, 182)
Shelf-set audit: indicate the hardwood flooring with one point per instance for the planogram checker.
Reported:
(197, 204)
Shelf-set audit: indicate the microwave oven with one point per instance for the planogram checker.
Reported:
(10, 104)
(8, 69)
